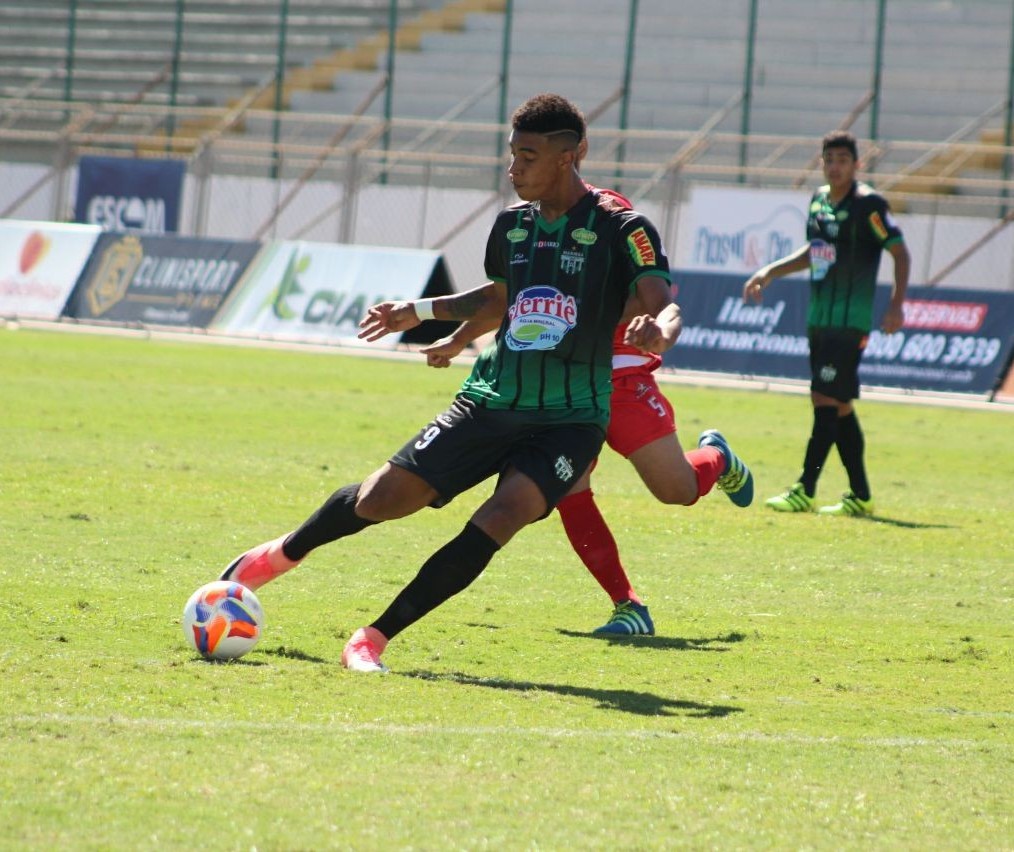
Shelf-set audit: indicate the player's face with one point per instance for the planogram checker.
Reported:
(839, 168)
(538, 165)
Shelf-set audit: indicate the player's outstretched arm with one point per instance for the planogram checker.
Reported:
(387, 318)
(487, 319)
(441, 352)
(795, 262)
(393, 317)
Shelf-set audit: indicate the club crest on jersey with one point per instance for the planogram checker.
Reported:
(641, 249)
(540, 318)
(571, 262)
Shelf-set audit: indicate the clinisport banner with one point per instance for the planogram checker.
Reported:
(952, 340)
(319, 292)
(123, 194)
(169, 280)
(39, 265)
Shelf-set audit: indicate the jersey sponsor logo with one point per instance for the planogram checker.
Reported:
(549, 244)
(878, 226)
(571, 262)
(822, 258)
(584, 237)
(641, 249)
(517, 235)
(519, 258)
(540, 318)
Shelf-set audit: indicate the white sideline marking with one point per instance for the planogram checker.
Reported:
(352, 728)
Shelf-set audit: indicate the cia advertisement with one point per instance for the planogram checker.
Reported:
(319, 292)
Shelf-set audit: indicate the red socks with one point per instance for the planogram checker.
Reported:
(594, 544)
(708, 463)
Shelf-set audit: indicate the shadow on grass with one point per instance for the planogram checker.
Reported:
(908, 525)
(661, 643)
(246, 661)
(624, 700)
(293, 654)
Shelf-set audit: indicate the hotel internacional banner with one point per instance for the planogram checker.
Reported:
(952, 341)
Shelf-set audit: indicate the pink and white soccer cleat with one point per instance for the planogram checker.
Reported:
(260, 565)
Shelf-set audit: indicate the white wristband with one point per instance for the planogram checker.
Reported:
(424, 308)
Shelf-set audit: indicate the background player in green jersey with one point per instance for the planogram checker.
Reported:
(534, 409)
(848, 228)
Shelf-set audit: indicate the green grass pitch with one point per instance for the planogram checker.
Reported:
(816, 683)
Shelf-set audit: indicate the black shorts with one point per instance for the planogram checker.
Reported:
(834, 361)
(468, 444)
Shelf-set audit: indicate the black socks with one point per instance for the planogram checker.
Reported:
(448, 571)
(851, 446)
(336, 519)
(822, 438)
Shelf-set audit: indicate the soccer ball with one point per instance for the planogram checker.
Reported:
(223, 620)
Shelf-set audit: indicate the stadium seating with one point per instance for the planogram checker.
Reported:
(945, 63)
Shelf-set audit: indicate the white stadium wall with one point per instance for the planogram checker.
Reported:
(456, 223)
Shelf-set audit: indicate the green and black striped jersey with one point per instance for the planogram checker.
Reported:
(846, 242)
(567, 284)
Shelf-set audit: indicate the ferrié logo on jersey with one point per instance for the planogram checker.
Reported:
(540, 318)
(641, 249)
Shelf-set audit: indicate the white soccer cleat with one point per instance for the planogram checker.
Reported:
(362, 652)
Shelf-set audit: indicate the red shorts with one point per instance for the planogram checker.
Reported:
(639, 412)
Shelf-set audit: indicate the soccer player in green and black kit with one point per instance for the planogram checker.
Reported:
(849, 225)
(533, 412)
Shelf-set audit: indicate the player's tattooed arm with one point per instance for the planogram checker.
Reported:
(484, 304)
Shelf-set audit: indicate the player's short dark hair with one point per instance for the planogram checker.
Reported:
(840, 139)
(550, 115)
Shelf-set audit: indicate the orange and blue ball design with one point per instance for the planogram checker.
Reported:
(223, 620)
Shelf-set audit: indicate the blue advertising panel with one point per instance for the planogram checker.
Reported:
(124, 194)
(173, 281)
(952, 340)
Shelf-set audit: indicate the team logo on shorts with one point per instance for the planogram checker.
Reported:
(828, 373)
(540, 318)
(564, 469)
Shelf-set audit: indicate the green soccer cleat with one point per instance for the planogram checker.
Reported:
(793, 500)
(736, 481)
(850, 506)
(628, 619)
